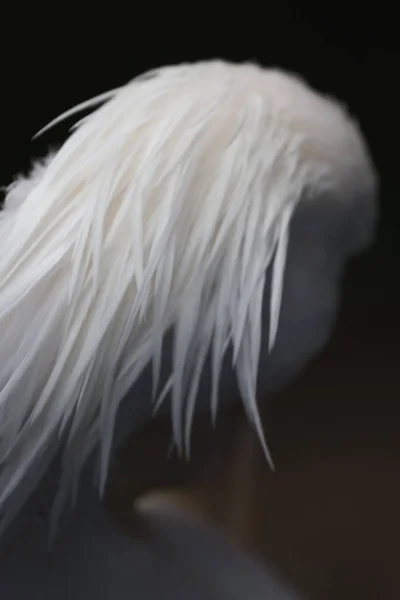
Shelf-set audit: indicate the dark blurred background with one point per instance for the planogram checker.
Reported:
(346, 411)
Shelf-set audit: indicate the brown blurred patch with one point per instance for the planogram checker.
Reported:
(328, 518)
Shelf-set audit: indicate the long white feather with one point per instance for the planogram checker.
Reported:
(163, 209)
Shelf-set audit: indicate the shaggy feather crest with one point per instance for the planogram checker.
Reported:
(162, 210)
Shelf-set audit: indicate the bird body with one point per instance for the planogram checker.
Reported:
(185, 243)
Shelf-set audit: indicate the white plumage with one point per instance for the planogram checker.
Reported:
(164, 209)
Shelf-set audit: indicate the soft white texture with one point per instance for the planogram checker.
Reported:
(162, 210)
